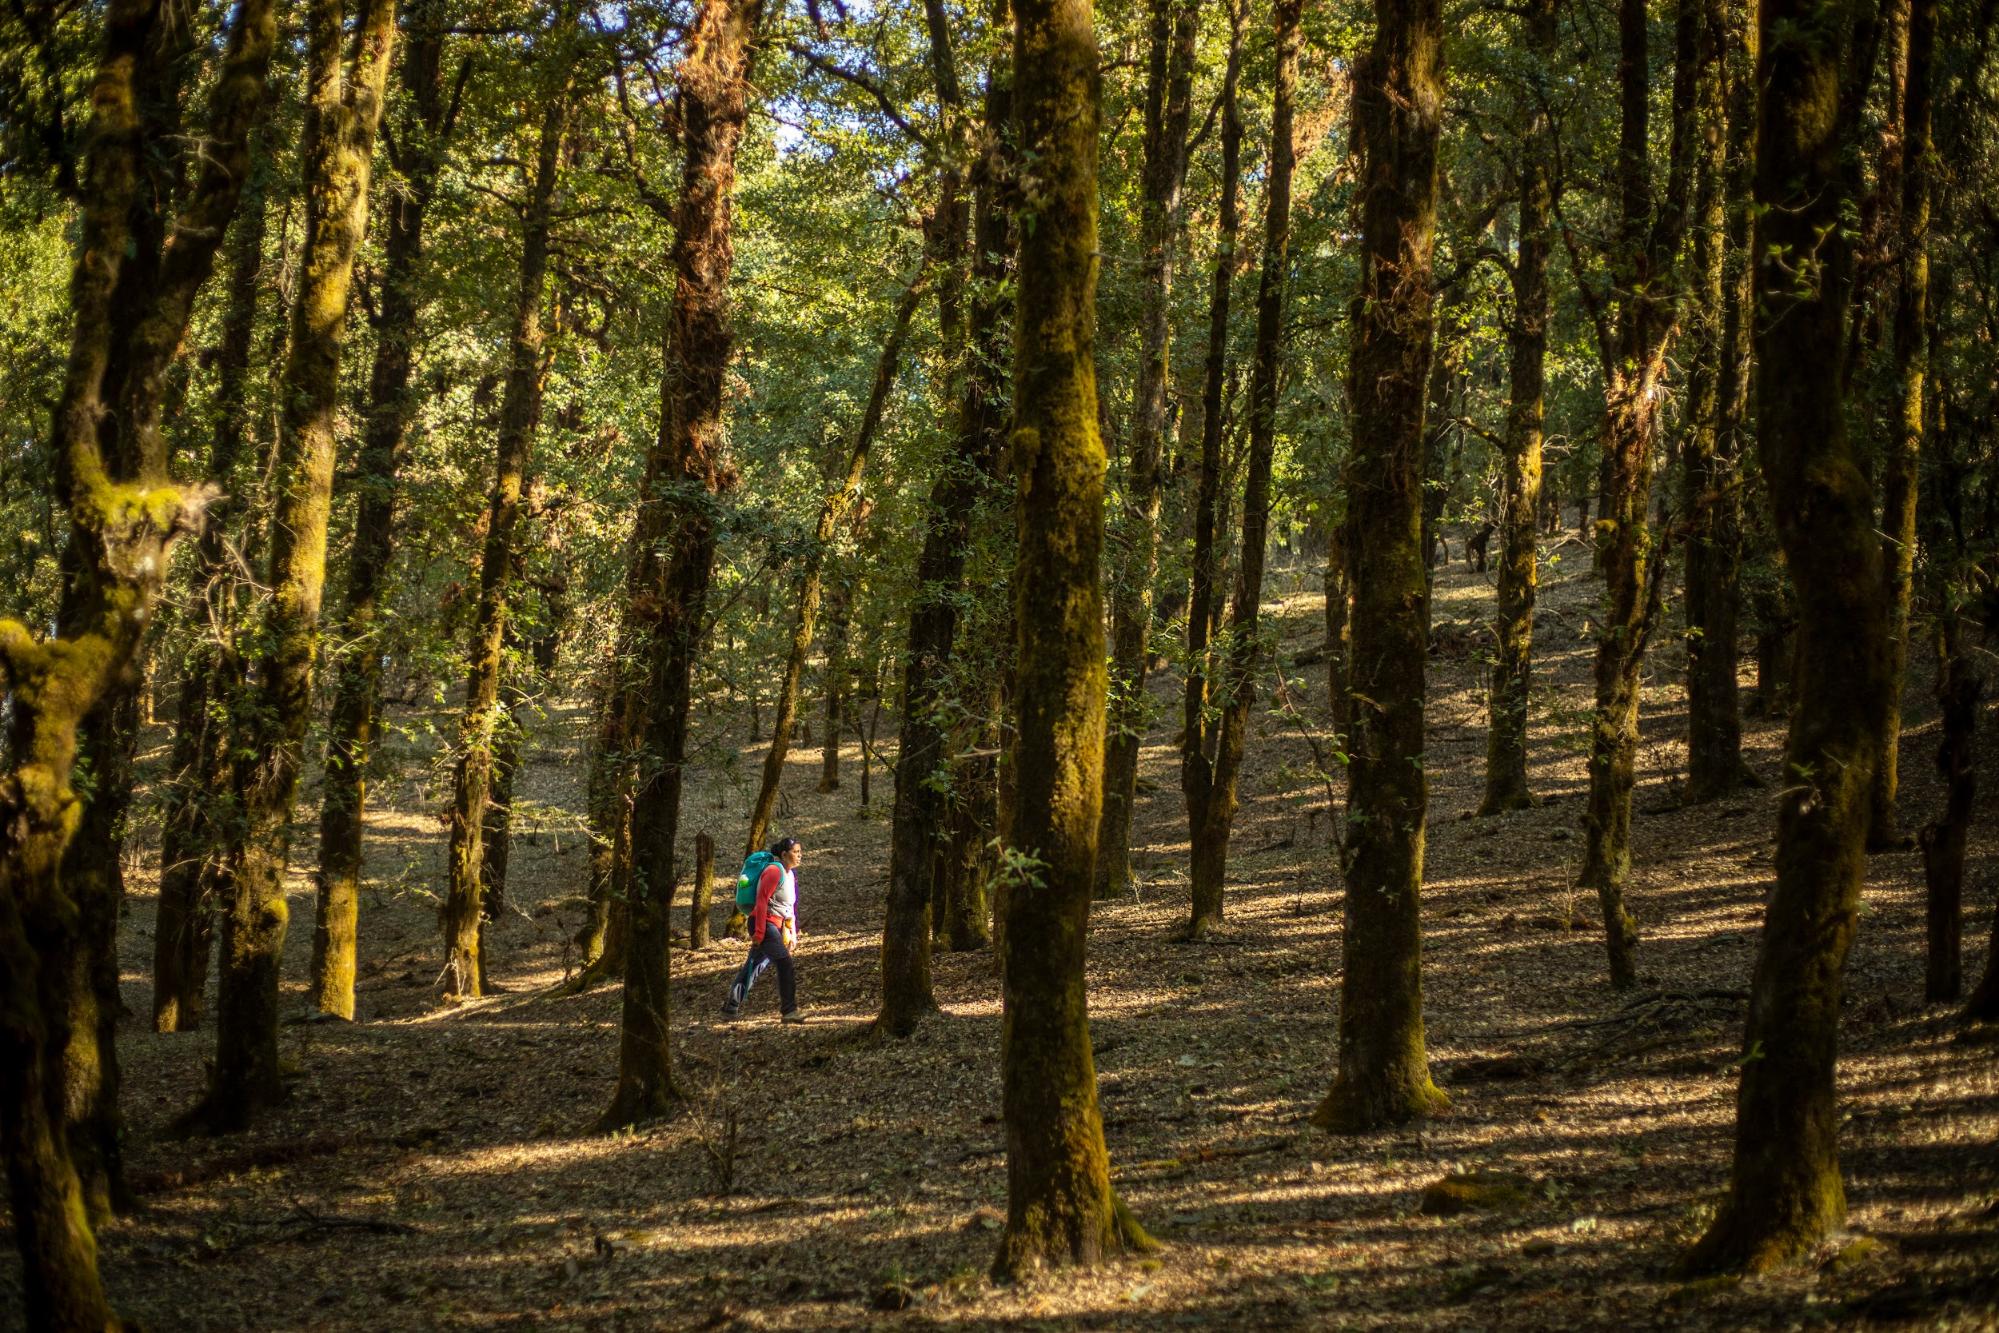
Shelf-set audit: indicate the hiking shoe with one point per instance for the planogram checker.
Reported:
(730, 1009)
(794, 1017)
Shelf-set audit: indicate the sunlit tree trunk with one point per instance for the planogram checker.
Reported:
(343, 110)
(1784, 1192)
(1212, 798)
(1175, 25)
(1060, 1206)
(686, 468)
(520, 417)
(1384, 1072)
(1520, 485)
(357, 670)
(1634, 335)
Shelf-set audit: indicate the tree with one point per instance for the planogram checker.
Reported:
(343, 110)
(1210, 782)
(132, 293)
(1717, 389)
(1784, 1195)
(357, 668)
(674, 549)
(1175, 24)
(839, 498)
(1520, 487)
(520, 417)
(1061, 1208)
(1384, 1073)
(1633, 334)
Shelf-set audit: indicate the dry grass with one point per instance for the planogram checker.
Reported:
(433, 1168)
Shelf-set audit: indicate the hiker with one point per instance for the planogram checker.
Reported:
(770, 881)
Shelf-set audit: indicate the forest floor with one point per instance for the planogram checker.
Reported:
(435, 1167)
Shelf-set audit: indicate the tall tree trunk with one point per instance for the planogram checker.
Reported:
(1204, 596)
(1061, 1208)
(1639, 330)
(520, 417)
(1944, 838)
(183, 926)
(702, 893)
(343, 110)
(919, 813)
(1168, 105)
(686, 468)
(1211, 803)
(1520, 486)
(1711, 479)
(132, 292)
(837, 501)
(357, 668)
(1784, 1192)
(1384, 1073)
(1899, 481)
(608, 806)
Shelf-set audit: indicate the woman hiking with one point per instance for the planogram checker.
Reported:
(773, 930)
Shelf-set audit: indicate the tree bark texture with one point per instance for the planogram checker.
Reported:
(343, 111)
(1637, 333)
(462, 915)
(1211, 802)
(1384, 1072)
(1784, 1190)
(1506, 786)
(1061, 1208)
(1175, 25)
(832, 508)
(1943, 839)
(357, 670)
(685, 473)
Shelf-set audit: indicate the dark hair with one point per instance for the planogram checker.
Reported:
(782, 845)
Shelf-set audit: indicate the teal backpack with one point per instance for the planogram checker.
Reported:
(746, 882)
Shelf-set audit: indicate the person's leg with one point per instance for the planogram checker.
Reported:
(746, 976)
(787, 978)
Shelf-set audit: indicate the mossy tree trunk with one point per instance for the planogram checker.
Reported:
(132, 292)
(608, 809)
(462, 914)
(1175, 24)
(357, 669)
(1711, 479)
(1899, 479)
(1198, 729)
(1061, 1209)
(1384, 1072)
(1634, 334)
(686, 470)
(1784, 1193)
(343, 111)
(1506, 785)
(1211, 803)
(838, 499)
